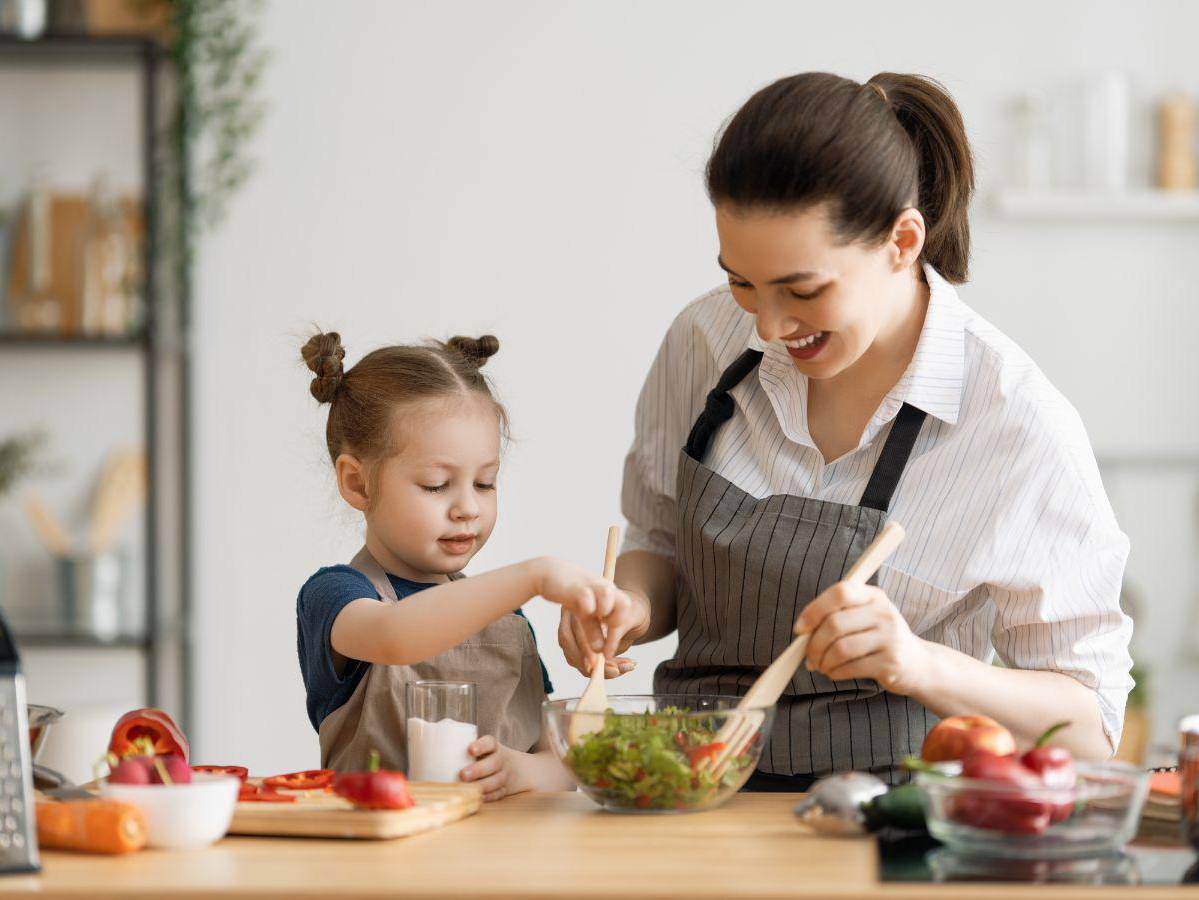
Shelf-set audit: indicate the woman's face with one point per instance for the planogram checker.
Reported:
(827, 301)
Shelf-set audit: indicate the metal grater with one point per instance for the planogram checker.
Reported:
(18, 834)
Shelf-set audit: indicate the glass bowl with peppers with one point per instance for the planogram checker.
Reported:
(1040, 804)
(658, 753)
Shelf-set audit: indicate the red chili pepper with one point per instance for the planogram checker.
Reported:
(702, 752)
(602, 783)
(375, 788)
(240, 772)
(643, 801)
(140, 728)
(309, 780)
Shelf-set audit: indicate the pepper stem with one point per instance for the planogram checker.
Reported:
(916, 764)
(372, 761)
(1052, 730)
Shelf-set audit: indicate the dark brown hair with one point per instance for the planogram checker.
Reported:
(870, 150)
(364, 399)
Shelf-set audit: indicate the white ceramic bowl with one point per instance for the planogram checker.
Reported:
(182, 816)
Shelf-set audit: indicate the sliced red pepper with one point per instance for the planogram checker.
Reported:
(702, 752)
(239, 772)
(253, 793)
(153, 726)
(308, 780)
(643, 801)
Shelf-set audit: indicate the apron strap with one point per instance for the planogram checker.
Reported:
(718, 408)
(893, 459)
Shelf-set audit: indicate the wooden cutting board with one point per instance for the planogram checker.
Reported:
(322, 814)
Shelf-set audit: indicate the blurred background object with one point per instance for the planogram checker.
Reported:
(468, 166)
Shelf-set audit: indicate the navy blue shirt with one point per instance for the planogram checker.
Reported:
(322, 597)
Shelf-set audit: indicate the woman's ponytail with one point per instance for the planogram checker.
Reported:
(934, 125)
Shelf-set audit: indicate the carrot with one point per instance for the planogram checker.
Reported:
(93, 826)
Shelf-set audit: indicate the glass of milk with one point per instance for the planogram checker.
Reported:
(441, 725)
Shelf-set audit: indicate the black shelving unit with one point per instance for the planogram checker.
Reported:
(162, 344)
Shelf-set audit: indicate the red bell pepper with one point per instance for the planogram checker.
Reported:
(253, 793)
(309, 780)
(375, 788)
(140, 727)
(1055, 766)
(1005, 808)
(239, 772)
(701, 752)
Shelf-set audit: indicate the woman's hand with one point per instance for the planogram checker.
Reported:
(621, 629)
(594, 603)
(857, 632)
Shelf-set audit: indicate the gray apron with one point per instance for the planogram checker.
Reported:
(747, 568)
(501, 660)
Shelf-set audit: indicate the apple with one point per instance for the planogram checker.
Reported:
(954, 737)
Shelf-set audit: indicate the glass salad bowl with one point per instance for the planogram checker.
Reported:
(983, 817)
(658, 753)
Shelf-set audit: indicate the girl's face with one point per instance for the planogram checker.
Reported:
(827, 301)
(436, 505)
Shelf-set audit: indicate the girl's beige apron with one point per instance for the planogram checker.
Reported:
(501, 660)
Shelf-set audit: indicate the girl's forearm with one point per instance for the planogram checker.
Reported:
(649, 579)
(1027, 702)
(432, 621)
(541, 771)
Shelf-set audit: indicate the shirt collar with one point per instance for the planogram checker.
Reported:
(933, 380)
(935, 377)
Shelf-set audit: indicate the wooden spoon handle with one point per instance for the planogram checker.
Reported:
(610, 551)
(876, 554)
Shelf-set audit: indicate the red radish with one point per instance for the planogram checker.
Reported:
(176, 767)
(132, 770)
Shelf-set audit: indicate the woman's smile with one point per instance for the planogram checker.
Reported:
(807, 346)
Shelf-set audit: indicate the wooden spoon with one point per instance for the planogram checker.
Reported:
(741, 728)
(595, 698)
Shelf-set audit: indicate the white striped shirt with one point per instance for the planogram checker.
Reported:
(1012, 546)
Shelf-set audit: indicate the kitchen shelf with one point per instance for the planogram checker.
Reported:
(49, 639)
(1093, 206)
(160, 346)
(82, 47)
(32, 341)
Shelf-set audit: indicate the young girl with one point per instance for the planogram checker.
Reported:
(414, 433)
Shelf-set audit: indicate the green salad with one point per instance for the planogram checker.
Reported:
(654, 761)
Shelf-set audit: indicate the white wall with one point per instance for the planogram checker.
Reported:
(533, 169)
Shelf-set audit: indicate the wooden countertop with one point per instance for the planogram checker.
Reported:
(533, 845)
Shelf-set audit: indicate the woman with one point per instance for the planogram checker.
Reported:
(836, 382)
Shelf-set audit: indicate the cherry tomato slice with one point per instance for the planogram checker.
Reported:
(309, 780)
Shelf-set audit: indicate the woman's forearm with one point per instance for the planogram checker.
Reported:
(1025, 701)
(649, 579)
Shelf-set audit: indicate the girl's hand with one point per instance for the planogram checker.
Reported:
(621, 628)
(496, 768)
(593, 602)
(857, 632)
